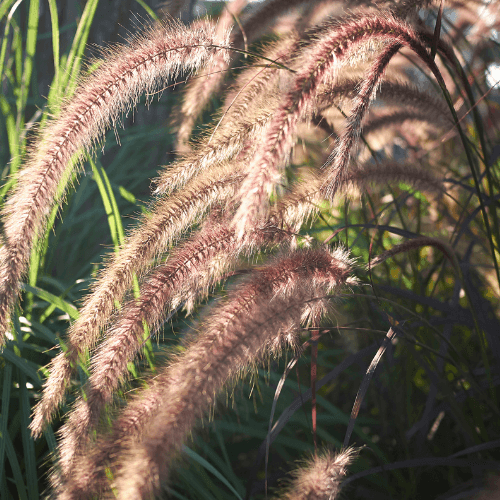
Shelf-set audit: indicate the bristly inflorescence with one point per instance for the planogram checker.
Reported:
(127, 73)
(321, 477)
(232, 210)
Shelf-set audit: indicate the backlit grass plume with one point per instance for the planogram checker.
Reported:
(127, 72)
(320, 478)
(332, 44)
(262, 314)
(171, 217)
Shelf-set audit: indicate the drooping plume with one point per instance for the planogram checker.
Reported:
(127, 72)
(205, 84)
(246, 111)
(170, 218)
(191, 270)
(188, 273)
(339, 160)
(333, 43)
(261, 313)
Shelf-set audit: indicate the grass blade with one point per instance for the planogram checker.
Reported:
(210, 468)
(31, 39)
(7, 385)
(23, 366)
(55, 43)
(16, 469)
(148, 9)
(28, 443)
(66, 307)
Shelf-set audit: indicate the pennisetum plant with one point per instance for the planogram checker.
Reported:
(348, 148)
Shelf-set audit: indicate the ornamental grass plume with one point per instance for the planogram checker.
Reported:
(187, 276)
(171, 216)
(263, 312)
(340, 157)
(385, 123)
(129, 71)
(332, 44)
(200, 90)
(246, 111)
(320, 478)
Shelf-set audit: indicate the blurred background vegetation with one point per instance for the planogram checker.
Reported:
(435, 392)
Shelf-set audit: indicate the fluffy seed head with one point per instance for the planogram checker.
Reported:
(321, 477)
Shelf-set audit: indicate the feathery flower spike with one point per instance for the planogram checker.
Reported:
(321, 477)
(333, 42)
(190, 270)
(200, 89)
(171, 216)
(128, 72)
(339, 159)
(264, 312)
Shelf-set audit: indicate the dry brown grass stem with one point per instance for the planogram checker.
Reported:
(320, 478)
(170, 217)
(113, 88)
(419, 242)
(264, 312)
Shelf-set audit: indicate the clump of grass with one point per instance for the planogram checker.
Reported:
(250, 238)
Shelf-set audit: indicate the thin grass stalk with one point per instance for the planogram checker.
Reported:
(450, 55)
(448, 51)
(100, 99)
